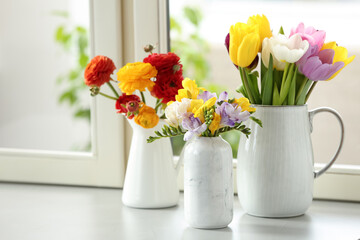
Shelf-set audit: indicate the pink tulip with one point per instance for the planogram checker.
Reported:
(313, 36)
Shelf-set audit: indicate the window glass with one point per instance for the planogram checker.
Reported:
(43, 51)
(198, 30)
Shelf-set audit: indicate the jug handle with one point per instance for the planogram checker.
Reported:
(312, 113)
(181, 160)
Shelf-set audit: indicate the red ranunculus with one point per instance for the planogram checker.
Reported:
(164, 62)
(169, 77)
(167, 86)
(121, 103)
(98, 71)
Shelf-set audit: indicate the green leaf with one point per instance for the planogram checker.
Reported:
(256, 120)
(292, 90)
(284, 91)
(253, 84)
(83, 60)
(281, 30)
(302, 96)
(68, 96)
(269, 84)
(82, 113)
(193, 15)
(73, 74)
(60, 13)
(276, 96)
(174, 25)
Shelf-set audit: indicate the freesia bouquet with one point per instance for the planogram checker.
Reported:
(291, 66)
(197, 112)
(161, 74)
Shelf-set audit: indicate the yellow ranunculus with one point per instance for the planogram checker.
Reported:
(136, 76)
(199, 112)
(246, 40)
(190, 90)
(341, 55)
(147, 117)
(244, 104)
(215, 124)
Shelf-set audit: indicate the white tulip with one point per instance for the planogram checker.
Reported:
(283, 49)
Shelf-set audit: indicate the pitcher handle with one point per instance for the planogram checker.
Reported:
(338, 117)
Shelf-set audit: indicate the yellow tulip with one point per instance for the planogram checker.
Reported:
(190, 90)
(246, 39)
(264, 26)
(341, 55)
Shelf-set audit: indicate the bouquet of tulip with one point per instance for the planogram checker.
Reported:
(291, 66)
(161, 74)
(197, 112)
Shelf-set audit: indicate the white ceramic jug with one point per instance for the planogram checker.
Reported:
(275, 172)
(151, 178)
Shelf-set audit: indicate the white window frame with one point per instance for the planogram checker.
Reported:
(105, 165)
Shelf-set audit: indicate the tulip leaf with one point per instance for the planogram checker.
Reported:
(281, 30)
(269, 83)
(246, 84)
(242, 91)
(277, 77)
(292, 90)
(253, 85)
(263, 77)
(276, 96)
(284, 91)
(302, 96)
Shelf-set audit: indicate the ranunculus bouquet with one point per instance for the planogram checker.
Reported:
(161, 74)
(197, 112)
(291, 66)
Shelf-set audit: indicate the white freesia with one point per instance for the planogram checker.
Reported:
(176, 111)
(283, 49)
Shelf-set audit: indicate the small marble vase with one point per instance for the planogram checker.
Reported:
(208, 183)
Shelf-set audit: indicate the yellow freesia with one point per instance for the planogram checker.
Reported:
(190, 90)
(195, 104)
(246, 39)
(244, 104)
(215, 124)
(341, 55)
(199, 112)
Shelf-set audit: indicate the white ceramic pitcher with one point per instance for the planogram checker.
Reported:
(151, 179)
(275, 173)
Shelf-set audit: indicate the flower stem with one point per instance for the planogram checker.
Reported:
(142, 97)
(158, 104)
(113, 89)
(310, 91)
(105, 95)
(246, 84)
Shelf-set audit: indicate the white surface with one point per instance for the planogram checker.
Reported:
(208, 182)
(33, 212)
(151, 179)
(277, 179)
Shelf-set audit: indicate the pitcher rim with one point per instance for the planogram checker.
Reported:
(279, 106)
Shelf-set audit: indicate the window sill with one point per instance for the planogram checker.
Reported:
(57, 212)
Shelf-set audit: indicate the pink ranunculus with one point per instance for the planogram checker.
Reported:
(313, 36)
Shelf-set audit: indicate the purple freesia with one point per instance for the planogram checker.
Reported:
(206, 95)
(318, 66)
(223, 96)
(231, 114)
(313, 36)
(193, 125)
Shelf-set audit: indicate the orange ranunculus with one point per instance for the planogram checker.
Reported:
(147, 117)
(136, 76)
(98, 71)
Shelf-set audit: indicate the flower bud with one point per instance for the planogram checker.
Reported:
(149, 48)
(94, 91)
(132, 106)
